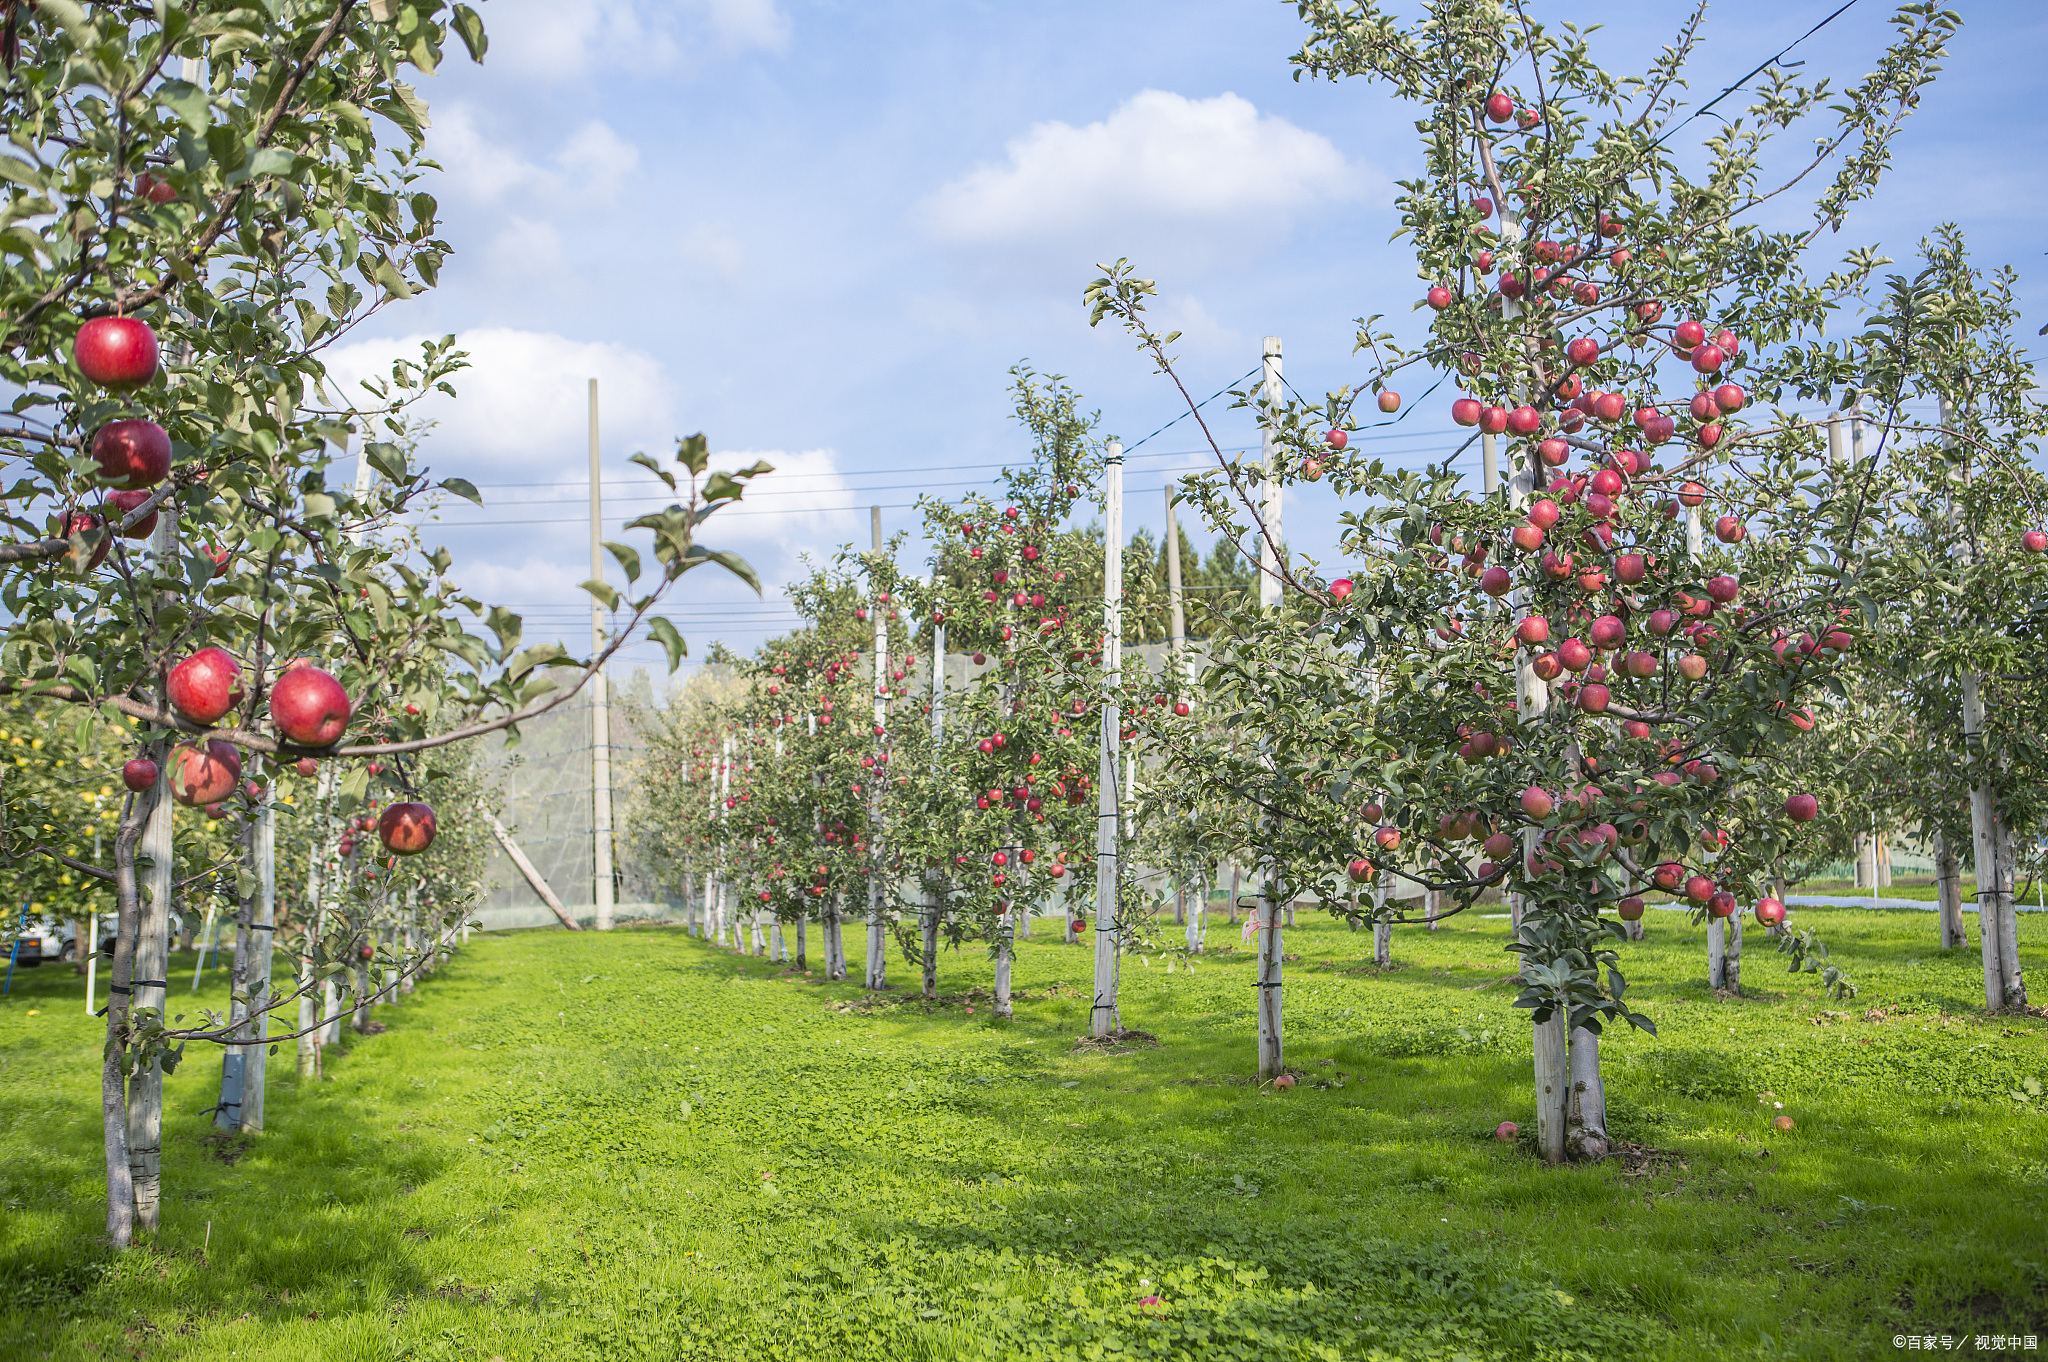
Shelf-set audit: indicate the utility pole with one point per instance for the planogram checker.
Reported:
(878, 936)
(1267, 924)
(600, 708)
(1269, 541)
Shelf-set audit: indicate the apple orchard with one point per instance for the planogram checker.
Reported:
(1755, 564)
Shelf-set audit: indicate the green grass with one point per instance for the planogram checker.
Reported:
(639, 1146)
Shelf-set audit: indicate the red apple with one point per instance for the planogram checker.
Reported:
(205, 775)
(1527, 538)
(139, 774)
(1465, 411)
(1533, 630)
(1439, 297)
(124, 502)
(1493, 420)
(1593, 698)
(1607, 631)
(1336, 439)
(1770, 912)
(116, 352)
(1359, 871)
(406, 829)
(1546, 666)
(1506, 1132)
(1387, 838)
(2034, 541)
(1496, 581)
(1699, 889)
(1802, 808)
(1537, 803)
(1640, 665)
(1525, 420)
(1341, 589)
(1686, 335)
(1730, 397)
(1692, 667)
(307, 767)
(309, 707)
(205, 686)
(1710, 435)
(1582, 351)
(1609, 407)
(1574, 654)
(156, 190)
(1730, 530)
(132, 453)
(1555, 452)
(1543, 513)
(1629, 909)
(1724, 588)
(1511, 285)
(1708, 359)
(1722, 904)
(1500, 107)
(1390, 401)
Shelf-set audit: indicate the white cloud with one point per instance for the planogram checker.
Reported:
(527, 250)
(587, 169)
(557, 40)
(523, 409)
(1191, 179)
(715, 252)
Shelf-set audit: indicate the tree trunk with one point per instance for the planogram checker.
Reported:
(1717, 953)
(929, 944)
(1586, 1109)
(1731, 965)
(120, 975)
(1272, 1052)
(255, 975)
(152, 958)
(1180, 903)
(185, 931)
(1382, 932)
(1005, 952)
(316, 873)
(835, 941)
(1997, 923)
(1948, 889)
(803, 944)
(1233, 895)
(877, 976)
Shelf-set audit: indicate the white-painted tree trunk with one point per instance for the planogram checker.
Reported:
(253, 956)
(1552, 1088)
(1997, 922)
(835, 940)
(1717, 953)
(803, 943)
(148, 984)
(1382, 932)
(1006, 951)
(1586, 1105)
(1272, 1049)
(777, 952)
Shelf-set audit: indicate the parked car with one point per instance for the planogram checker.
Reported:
(37, 944)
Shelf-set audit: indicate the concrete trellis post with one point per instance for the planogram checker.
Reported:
(600, 707)
(1102, 1017)
(878, 936)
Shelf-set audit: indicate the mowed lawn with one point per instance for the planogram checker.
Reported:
(641, 1146)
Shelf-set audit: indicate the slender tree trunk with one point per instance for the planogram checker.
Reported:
(835, 940)
(314, 921)
(803, 941)
(1731, 965)
(1948, 889)
(184, 931)
(930, 944)
(1717, 953)
(778, 951)
(1180, 903)
(1272, 1053)
(152, 959)
(120, 975)
(256, 976)
(2003, 986)
(234, 1059)
(1586, 1108)
(2009, 919)
(877, 976)
(1005, 952)
(1233, 895)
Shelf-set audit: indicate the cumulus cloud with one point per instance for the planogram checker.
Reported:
(559, 40)
(587, 170)
(1194, 179)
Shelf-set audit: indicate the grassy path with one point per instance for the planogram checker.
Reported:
(639, 1146)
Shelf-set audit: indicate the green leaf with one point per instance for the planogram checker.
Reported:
(648, 463)
(604, 591)
(538, 655)
(272, 161)
(507, 626)
(694, 453)
(628, 559)
(463, 488)
(388, 459)
(318, 505)
(20, 171)
(470, 29)
(665, 634)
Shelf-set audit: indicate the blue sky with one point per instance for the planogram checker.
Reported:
(822, 232)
